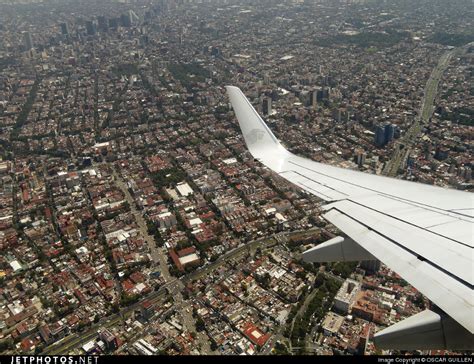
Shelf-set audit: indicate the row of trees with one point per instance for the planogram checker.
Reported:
(451, 39)
(183, 72)
(365, 39)
(316, 310)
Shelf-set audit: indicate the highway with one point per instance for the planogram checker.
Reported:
(402, 147)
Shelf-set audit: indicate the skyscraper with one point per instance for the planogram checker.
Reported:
(313, 98)
(379, 136)
(114, 23)
(64, 29)
(370, 265)
(267, 106)
(103, 23)
(27, 40)
(389, 133)
(90, 27)
(126, 20)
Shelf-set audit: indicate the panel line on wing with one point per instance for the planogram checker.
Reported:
(420, 257)
(415, 203)
(312, 180)
(411, 224)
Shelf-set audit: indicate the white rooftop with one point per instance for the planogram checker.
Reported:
(184, 189)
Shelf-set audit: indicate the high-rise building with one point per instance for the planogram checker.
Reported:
(147, 310)
(27, 40)
(126, 20)
(109, 339)
(360, 157)
(397, 132)
(90, 27)
(389, 132)
(313, 98)
(346, 295)
(64, 29)
(103, 23)
(267, 106)
(114, 23)
(323, 94)
(370, 265)
(379, 136)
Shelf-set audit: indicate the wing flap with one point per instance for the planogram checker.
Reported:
(450, 295)
(445, 254)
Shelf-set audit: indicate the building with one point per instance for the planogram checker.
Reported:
(114, 23)
(255, 335)
(147, 310)
(64, 29)
(379, 138)
(389, 132)
(370, 265)
(126, 20)
(322, 94)
(166, 220)
(360, 157)
(441, 153)
(103, 23)
(332, 323)
(90, 27)
(109, 339)
(267, 106)
(184, 257)
(28, 42)
(346, 295)
(313, 98)
(184, 189)
(188, 256)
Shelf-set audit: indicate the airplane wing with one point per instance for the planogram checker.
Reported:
(424, 233)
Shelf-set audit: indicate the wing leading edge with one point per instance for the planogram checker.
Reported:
(424, 233)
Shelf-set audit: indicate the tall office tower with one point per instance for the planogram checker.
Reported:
(359, 157)
(389, 132)
(109, 339)
(313, 98)
(379, 136)
(90, 27)
(319, 95)
(27, 40)
(64, 29)
(323, 94)
(126, 20)
(103, 23)
(114, 23)
(267, 106)
(370, 265)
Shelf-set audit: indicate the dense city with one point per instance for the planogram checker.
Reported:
(133, 220)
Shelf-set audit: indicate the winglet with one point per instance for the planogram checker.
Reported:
(258, 137)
